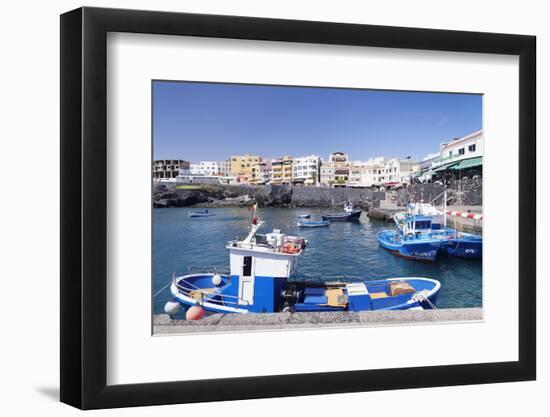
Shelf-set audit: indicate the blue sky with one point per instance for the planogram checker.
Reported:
(204, 121)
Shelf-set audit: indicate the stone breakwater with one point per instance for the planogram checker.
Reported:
(265, 196)
(163, 324)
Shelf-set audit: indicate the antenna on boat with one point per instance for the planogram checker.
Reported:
(445, 210)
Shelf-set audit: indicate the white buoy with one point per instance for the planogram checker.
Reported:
(216, 279)
(171, 308)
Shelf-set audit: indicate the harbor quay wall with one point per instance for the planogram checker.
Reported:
(168, 195)
(465, 192)
(163, 324)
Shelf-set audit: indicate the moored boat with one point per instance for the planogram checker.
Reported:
(201, 213)
(465, 245)
(349, 214)
(313, 223)
(454, 242)
(304, 216)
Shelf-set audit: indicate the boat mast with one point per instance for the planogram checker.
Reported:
(445, 210)
(255, 224)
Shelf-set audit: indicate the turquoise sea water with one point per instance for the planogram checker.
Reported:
(339, 250)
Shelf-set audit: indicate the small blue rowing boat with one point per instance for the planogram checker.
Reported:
(313, 223)
(202, 213)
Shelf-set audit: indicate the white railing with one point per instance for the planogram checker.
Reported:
(190, 290)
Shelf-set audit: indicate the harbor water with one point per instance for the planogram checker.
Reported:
(343, 250)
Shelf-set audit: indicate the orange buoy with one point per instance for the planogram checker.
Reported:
(194, 313)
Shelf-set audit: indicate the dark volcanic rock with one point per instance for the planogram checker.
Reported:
(265, 196)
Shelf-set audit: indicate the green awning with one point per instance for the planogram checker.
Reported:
(445, 167)
(469, 163)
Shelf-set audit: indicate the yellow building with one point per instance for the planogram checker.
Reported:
(281, 170)
(241, 165)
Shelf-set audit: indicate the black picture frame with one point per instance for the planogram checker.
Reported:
(84, 207)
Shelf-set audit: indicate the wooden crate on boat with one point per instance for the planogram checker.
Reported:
(400, 287)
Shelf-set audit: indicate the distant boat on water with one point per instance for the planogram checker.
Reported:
(313, 223)
(349, 214)
(201, 213)
(304, 216)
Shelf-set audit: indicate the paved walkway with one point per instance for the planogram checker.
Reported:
(163, 324)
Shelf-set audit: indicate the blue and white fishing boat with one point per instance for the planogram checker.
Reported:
(313, 223)
(454, 242)
(349, 214)
(417, 246)
(201, 213)
(258, 282)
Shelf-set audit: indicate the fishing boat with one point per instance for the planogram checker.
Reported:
(201, 213)
(313, 223)
(454, 242)
(417, 246)
(258, 282)
(349, 214)
(304, 216)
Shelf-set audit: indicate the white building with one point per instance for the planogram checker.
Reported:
(306, 170)
(366, 173)
(398, 171)
(454, 157)
(225, 167)
(205, 168)
(380, 171)
(335, 172)
(469, 146)
(187, 177)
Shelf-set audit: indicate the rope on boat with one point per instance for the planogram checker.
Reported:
(423, 296)
(162, 289)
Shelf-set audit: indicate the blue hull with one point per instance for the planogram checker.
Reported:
(313, 224)
(466, 247)
(420, 249)
(305, 296)
(342, 217)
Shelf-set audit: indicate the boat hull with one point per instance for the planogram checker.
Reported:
(307, 296)
(323, 223)
(467, 247)
(342, 217)
(421, 249)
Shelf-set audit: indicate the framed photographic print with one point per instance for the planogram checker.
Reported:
(258, 207)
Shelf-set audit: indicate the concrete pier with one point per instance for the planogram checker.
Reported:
(163, 324)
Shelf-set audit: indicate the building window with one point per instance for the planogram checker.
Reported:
(461, 151)
(472, 148)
